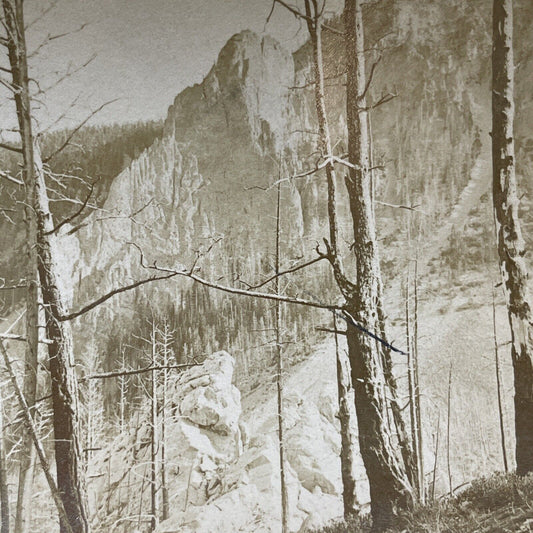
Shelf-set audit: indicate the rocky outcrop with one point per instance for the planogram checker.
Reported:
(248, 497)
(202, 439)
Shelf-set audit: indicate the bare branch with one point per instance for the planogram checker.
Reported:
(49, 38)
(294, 11)
(11, 148)
(284, 272)
(386, 98)
(400, 206)
(19, 285)
(10, 178)
(73, 216)
(76, 129)
(110, 294)
(370, 77)
(13, 337)
(69, 72)
(335, 31)
(8, 86)
(120, 373)
(330, 330)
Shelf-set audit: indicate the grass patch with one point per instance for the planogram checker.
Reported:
(501, 502)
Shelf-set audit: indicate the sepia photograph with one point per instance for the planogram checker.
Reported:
(264, 266)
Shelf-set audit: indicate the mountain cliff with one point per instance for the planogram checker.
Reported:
(252, 121)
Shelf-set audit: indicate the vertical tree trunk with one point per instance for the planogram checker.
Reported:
(26, 413)
(511, 247)
(498, 385)
(279, 380)
(4, 490)
(14, 18)
(411, 385)
(435, 460)
(390, 488)
(420, 439)
(64, 390)
(153, 433)
(347, 422)
(351, 506)
(122, 387)
(163, 443)
(448, 430)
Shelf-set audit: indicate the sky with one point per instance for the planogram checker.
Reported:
(145, 52)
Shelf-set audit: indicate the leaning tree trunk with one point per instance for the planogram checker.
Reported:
(69, 464)
(17, 53)
(511, 247)
(390, 489)
(348, 448)
(64, 390)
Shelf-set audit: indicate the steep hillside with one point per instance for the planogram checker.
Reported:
(225, 138)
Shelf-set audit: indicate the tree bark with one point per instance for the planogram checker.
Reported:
(511, 247)
(351, 505)
(14, 17)
(69, 463)
(390, 488)
(348, 431)
(411, 383)
(279, 379)
(498, 384)
(4, 490)
(26, 413)
(69, 474)
(163, 443)
(153, 433)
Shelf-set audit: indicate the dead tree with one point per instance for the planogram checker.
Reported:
(511, 247)
(16, 46)
(387, 471)
(420, 438)
(448, 429)
(45, 466)
(67, 453)
(498, 384)
(279, 378)
(166, 336)
(411, 385)
(153, 431)
(348, 428)
(4, 490)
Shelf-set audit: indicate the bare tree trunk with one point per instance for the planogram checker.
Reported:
(390, 488)
(314, 25)
(498, 385)
(511, 247)
(279, 380)
(421, 473)
(448, 430)
(26, 413)
(4, 490)
(411, 384)
(346, 418)
(70, 473)
(153, 433)
(14, 18)
(123, 388)
(69, 479)
(164, 488)
(436, 460)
